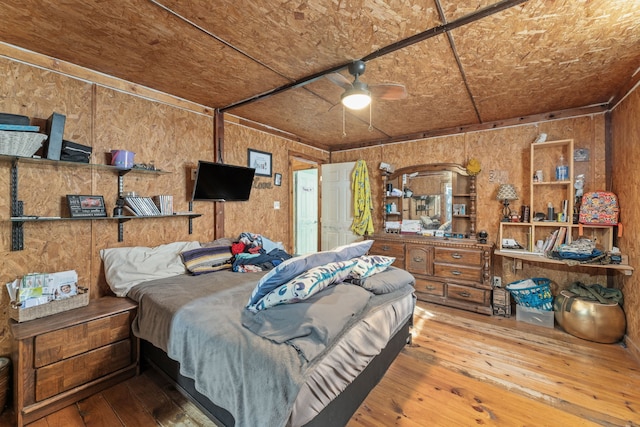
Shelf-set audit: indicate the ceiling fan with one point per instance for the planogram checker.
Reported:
(357, 94)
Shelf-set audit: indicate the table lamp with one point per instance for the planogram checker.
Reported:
(506, 193)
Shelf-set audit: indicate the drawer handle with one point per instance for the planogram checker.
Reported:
(418, 259)
(464, 294)
(456, 255)
(456, 272)
(385, 248)
(430, 288)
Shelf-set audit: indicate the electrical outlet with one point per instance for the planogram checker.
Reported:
(276, 205)
(497, 281)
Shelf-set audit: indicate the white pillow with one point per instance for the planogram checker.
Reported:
(129, 266)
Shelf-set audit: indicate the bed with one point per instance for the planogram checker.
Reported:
(308, 363)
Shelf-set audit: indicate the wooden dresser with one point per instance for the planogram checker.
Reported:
(453, 272)
(66, 357)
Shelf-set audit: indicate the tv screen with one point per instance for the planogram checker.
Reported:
(220, 182)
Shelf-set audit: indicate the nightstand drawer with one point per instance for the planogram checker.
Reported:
(429, 287)
(77, 370)
(469, 294)
(458, 256)
(457, 272)
(64, 343)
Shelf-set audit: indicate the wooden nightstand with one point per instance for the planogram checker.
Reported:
(66, 357)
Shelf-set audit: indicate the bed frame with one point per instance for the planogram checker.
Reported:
(337, 413)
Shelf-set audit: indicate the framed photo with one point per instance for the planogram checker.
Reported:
(260, 161)
(278, 180)
(459, 209)
(86, 206)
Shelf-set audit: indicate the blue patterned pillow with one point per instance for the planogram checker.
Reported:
(369, 265)
(295, 266)
(306, 284)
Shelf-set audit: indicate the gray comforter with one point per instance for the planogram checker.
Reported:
(197, 320)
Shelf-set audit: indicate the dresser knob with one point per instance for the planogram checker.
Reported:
(464, 294)
(430, 288)
(385, 248)
(456, 272)
(456, 255)
(418, 259)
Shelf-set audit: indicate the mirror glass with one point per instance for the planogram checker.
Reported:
(436, 199)
(428, 199)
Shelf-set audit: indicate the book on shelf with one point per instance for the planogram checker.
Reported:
(164, 203)
(142, 206)
(562, 234)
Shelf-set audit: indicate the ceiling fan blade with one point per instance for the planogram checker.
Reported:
(340, 80)
(388, 91)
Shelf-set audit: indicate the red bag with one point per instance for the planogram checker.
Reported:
(599, 208)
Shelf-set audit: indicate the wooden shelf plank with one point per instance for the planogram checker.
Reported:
(530, 257)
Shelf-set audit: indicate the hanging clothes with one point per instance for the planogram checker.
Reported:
(362, 206)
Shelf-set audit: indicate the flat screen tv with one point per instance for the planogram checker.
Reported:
(218, 182)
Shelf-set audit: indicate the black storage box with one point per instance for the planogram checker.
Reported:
(73, 152)
(55, 130)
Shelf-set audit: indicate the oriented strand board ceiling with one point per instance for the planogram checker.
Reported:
(528, 59)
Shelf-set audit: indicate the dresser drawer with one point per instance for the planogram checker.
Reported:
(458, 256)
(69, 373)
(457, 272)
(469, 294)
(391, 249)
(58, 345)
(418, 259)
(429, 287)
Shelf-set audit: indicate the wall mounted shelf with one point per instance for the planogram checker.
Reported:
(18, 218)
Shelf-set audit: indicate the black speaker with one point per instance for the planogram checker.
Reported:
(55, 130)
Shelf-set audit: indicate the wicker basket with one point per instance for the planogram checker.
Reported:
(537, 295)
(17, 143)
(53, 307)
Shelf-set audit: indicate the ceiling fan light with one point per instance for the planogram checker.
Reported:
(356, 99)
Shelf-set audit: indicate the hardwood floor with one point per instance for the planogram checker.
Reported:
(462, 369)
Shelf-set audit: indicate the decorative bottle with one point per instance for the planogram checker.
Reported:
(562, 170)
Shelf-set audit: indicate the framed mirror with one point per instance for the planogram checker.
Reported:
(437, 199)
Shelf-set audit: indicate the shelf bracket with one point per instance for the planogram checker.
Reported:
(17, 209)
(190, 218)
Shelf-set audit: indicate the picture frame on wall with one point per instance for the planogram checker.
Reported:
(260, 161)
(278, 179)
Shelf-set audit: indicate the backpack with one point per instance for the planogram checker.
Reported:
(599, 208)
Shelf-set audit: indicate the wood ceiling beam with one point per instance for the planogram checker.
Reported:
(432, 32)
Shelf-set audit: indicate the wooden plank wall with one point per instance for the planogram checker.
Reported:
(626, 182)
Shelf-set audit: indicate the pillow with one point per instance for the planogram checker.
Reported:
(286, 271)
(128, 266)
(387, 281)
(293, 267)
(207, 260)
(370, 265)
(353, 250)
(306, 284)
(224, 241)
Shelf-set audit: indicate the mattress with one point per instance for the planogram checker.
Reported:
(320, 381)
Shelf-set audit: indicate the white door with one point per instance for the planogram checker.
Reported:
(306, 211)
(337, 205)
